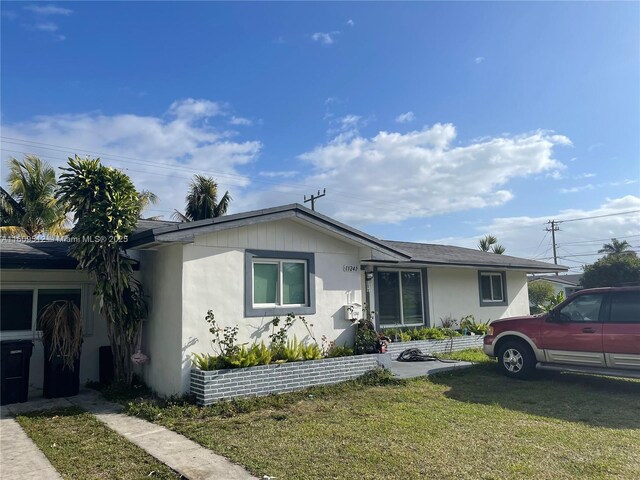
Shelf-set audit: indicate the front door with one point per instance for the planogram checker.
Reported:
(621, 331)
(574, 334)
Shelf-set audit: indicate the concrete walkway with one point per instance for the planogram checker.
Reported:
(186, 457)
(422, 369)
(19, 456)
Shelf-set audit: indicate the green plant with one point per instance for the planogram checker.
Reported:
(227, 343)
(311, 351)
(205, 361)
(366, 338)
(61, 326)
(553, 301)
(30, 208)
(470, 324)
(448, 322)
(339, 351)
(106, 208)
(540, 292)
(202, 201)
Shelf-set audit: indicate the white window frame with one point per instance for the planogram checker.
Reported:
(399, 271)
(502, 282)
(85, 308)
(280, 286)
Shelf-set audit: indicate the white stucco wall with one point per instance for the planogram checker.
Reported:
(454, 291)
(213, 278)
(161, 275)
(95, 331)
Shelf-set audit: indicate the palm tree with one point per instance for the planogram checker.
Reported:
(616, 247)
(202, 201)
(490, 243)
(146, 198)
(29, 206)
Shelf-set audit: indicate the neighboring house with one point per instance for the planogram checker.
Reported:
(249, 267)
(566, 284)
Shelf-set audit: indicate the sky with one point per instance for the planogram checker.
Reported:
(426, 122)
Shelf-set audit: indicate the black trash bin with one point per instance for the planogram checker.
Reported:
(16, 357)
(105, 367)
(59, 380)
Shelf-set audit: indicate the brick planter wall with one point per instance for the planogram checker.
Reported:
(211, 386)
(436, 346)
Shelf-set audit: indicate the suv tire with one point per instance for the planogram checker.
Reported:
(516, 360)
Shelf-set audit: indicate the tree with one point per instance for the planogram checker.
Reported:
(147, 198)
(30, 207)
(540, 293)
(202, 200)
(616, 247)
(612, 270)
(490, 243)
(106, 207)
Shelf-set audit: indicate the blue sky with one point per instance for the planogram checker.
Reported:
(424, 121)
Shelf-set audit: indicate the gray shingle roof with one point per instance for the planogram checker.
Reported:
(434, 254)
(38, 255)
(572, 279)
(54, 255)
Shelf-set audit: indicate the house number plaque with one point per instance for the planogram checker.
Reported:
(349, 268)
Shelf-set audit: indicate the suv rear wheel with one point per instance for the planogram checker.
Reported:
(516, 360)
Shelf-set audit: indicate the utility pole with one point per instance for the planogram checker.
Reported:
(314, 198)
(553, 228)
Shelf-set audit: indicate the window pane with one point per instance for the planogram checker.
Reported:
(625, 307)
(293, 287)
(585, 308)
(45, 297)
(496, 281)
(265, 283)
(411, 297)
(485, 287)
(388, 298)
(16, 307)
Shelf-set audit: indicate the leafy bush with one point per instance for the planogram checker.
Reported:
(448, 322)
(366, 338)
(470, 324)
(339, 351)
(311, 352)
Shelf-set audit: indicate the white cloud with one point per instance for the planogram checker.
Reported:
(405, 117)
(279, 174)
(159, 153)
(46, 27)
(478, 60)
(577, 189)
(325, 38)
(279, 40)
(422, 173)
(351, 23)
(240, 121)
(48, 10)
(577, 241)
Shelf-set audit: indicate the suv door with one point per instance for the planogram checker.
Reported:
(572, 333)
(621, 330)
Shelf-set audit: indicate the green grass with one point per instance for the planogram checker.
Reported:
(471, 424)
(79, 446)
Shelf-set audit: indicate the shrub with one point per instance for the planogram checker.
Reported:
(339, 351)
(470, 324)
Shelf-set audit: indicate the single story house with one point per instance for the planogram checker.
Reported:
(565, 284)
(248, 268)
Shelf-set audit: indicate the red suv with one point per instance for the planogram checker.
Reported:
(594, 331)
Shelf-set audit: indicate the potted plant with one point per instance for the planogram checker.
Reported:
(61, 325)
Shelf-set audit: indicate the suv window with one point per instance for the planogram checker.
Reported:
(625, 307)
(585, 308)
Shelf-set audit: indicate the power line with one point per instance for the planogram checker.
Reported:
(598, 216)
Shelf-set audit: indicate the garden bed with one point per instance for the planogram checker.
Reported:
(211, 386)
(436, 346)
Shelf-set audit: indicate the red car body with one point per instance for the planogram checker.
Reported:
(594, 330)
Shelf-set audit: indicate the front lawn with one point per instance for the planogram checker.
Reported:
(468, 424)
(79, 446)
